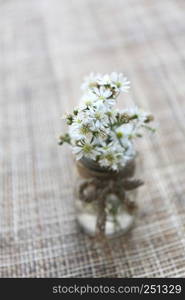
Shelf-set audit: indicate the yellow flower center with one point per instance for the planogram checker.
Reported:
(84, 129)
(109, 157)
(119, 134)
(87, 148)
(98, 116)
(102, 98)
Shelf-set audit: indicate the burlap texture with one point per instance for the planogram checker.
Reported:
(46, 47)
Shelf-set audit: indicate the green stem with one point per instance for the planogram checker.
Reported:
(120, 142)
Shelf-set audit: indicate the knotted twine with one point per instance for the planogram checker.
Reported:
(100, 182)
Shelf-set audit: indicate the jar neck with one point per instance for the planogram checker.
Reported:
(88, 168)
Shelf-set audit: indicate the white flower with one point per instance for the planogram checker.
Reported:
(90, 81)
(80, 129)
(102, 93)
(111, 156)
(86, 149)
(98, 116)
(138, 120)
(120, 81)
(105, 80)
(141, 115)
(101, 136)
(109, 160)
(104, 106)
(125, 131)
(87, 100)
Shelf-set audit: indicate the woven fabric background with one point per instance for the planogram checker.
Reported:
(46, 48)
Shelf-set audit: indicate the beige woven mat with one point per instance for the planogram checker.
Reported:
(46, 48)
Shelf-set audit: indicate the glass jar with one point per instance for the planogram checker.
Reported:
(106, 200)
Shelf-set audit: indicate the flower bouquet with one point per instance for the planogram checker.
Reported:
(102, 139)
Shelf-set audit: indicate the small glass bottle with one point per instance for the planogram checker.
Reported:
(106, 200)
